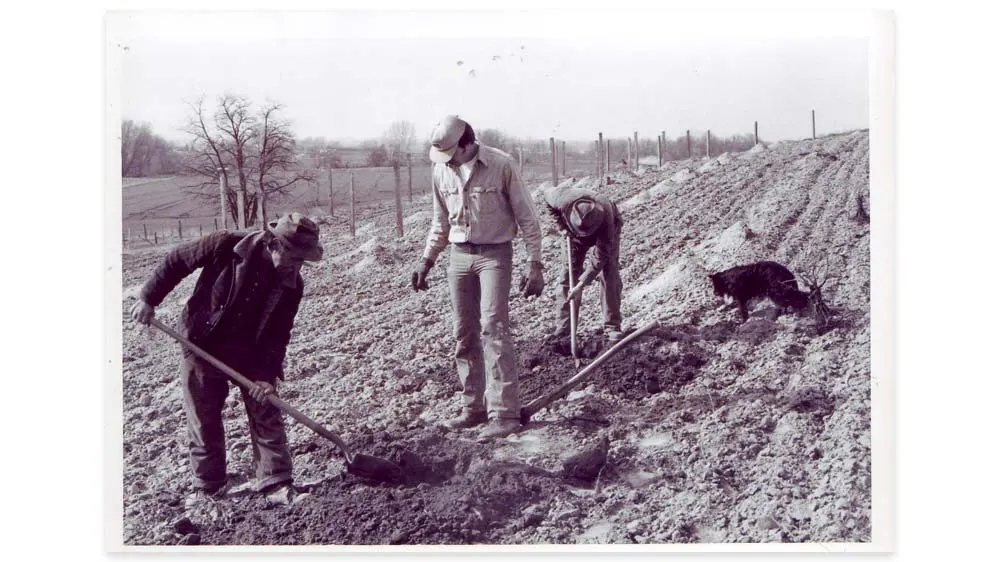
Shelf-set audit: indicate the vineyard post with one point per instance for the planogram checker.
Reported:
(600, 157)
(814, 123)
(689, 143)
(636, 143)
(607, 155)
(145, 235)
(352, 204)
(156, 239)
(659, 149)
(200, 231)
(708, 144)
(180, 231)
(409, 174)
(563, 158)
(520, 159)
(216, 223)
(756, 140)
(241, 220)
(628, 153)
(329, 170)
(555, 173)
(222, 196)
(399, 203)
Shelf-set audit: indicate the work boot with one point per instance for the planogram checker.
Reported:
(466, 420)
(283, 494)
(614, 336)
(499, 428)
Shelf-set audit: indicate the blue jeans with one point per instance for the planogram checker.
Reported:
(479, 277)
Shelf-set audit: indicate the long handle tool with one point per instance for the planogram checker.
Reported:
(367, 466)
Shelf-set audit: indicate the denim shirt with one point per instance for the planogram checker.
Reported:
(490, 208)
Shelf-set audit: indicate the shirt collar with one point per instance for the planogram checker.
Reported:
(479, 157)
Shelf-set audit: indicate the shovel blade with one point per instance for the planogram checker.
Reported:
(375, 468)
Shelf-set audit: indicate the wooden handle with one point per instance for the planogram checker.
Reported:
(247, 383)
(537, 404)
(573, 310)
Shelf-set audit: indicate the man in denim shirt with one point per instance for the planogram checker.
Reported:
(479, 206)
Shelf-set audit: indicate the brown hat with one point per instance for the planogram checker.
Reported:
(444, 138)
(585, 217)
(298, 234)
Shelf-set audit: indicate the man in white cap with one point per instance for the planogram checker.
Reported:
(241, 311)
(592, 221)
(479, 206)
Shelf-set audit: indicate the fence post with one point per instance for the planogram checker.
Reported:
(564, 158)
(241, 220)
(600, 157)
(689, 142)
(409, 174)
(352, 204)
(216, 223)
(330, 175)
(636, 143)
(399, 203)
(755, 138)
(659, 150)
(814, 123)
(555, 173)
(607, 155)
(145, 235)
(708, 144)
(222, 196)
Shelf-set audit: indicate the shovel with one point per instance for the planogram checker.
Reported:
(538, 403)
(361, 465)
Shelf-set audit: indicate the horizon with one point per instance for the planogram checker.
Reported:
(346, 76)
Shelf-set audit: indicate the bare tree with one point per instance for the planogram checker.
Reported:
(235, 120)
(275, 157)
(399, 139)
(253, 150)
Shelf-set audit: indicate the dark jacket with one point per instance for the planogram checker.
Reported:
(227, 258)
(605, 240)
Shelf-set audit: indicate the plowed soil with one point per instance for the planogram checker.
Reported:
(716, 430)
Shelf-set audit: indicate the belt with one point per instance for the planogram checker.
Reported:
(470, 248)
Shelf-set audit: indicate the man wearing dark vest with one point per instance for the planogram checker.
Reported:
(241, 311)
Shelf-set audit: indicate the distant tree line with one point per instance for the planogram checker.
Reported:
(145, 153)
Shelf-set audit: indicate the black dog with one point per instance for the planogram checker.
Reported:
(768, 279)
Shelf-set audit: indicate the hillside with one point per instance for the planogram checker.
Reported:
(717, 431)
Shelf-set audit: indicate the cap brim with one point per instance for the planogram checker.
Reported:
(442, 156)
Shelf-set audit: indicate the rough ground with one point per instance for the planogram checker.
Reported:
(716, 431)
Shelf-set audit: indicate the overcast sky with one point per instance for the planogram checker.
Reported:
(348, 75)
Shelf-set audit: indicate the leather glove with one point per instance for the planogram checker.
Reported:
(533, 283)
(419, 278)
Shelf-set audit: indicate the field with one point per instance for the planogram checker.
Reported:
(155, 205)
(717, 431)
